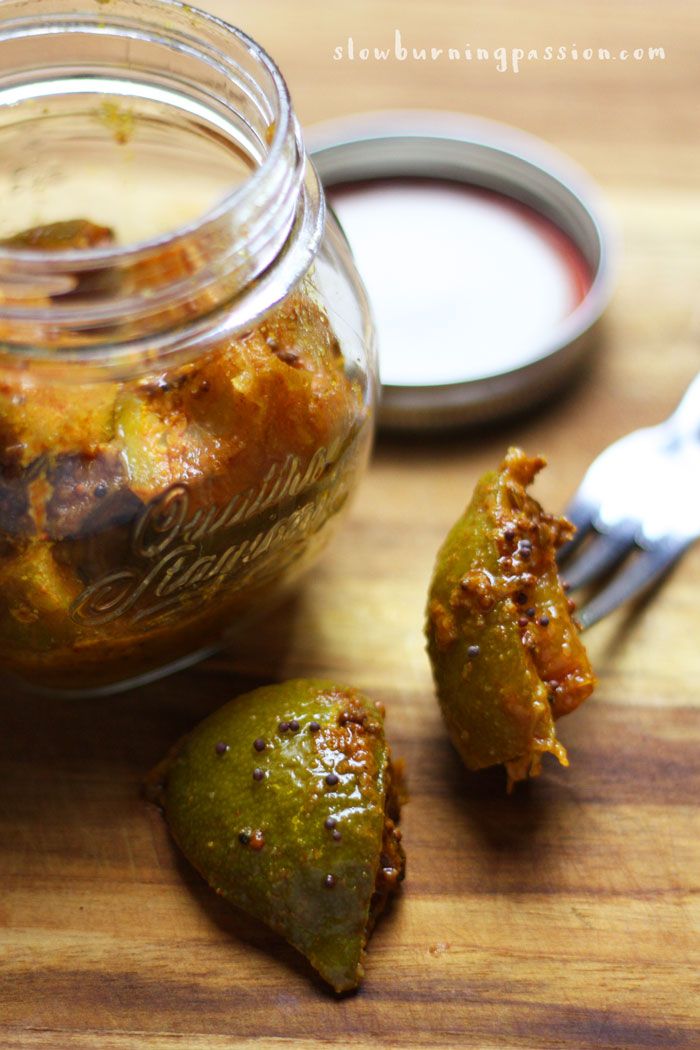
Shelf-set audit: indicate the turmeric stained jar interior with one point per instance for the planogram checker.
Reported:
(187, 374)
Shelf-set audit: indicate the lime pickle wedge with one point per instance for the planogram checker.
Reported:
(287, 802)
(68, 235)
(506, 654)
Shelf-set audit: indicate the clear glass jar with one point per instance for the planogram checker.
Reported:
(187, 369)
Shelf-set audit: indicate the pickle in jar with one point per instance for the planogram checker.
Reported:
(259, 432)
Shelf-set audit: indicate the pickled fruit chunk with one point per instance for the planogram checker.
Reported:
(277, 394)
(89, 496)
(69, 235)
(506, 655)
(36, 592)
(286, 801)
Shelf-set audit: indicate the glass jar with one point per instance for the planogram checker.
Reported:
(187, 367)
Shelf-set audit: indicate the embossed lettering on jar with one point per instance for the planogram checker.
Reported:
(187, 372)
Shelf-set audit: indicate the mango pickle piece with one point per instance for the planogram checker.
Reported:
(40, 291)
(66, 235)
(15, 521)
(38, 420)
(506, 655)
(286, 801)
(277, 393)
(36, 592)
(143, 435)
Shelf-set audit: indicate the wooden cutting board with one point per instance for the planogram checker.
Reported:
(564, 916)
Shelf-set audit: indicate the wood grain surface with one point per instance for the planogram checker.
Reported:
(565, 916)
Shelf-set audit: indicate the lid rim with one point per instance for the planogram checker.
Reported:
(458, 148)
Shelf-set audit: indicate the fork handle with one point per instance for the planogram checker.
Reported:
(684, 424)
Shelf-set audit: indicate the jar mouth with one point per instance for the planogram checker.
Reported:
(89, 258)
(215, 67)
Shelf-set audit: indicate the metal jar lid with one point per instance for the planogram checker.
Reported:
(516, 179)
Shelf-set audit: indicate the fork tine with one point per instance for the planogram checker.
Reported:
(648, 567)
(581, 514)
(604, 551)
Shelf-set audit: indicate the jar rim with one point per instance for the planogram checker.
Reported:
(258, 239)
(89, 257)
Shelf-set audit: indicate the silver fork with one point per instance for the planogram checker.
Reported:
(637, 510)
